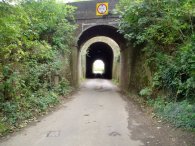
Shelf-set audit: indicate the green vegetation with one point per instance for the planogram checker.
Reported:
(181, 114)
(35, 46)
(166, 30)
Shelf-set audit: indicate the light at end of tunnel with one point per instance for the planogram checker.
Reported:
(98, 67)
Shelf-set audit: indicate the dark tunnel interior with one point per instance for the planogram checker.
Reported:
(99, 51)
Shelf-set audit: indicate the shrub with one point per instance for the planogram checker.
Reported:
(146, 92)
(165, 29)
(34, 37)
(181, 114)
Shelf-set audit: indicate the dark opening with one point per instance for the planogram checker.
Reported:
(99, 51)
(101, 30)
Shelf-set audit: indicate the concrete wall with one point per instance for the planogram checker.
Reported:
(135, 72)
(87, 9)
(130, 68)
(125, 67)
(140, 74)
(86, 18)
(116, 53)
(86, 15)
(74, 66)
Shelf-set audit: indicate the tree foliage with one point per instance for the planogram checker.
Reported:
(166, 29)
(35, 41)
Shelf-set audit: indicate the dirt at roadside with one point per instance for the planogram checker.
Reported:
(154, 132)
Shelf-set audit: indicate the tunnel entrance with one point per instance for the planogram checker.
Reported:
(99, 51)
(105, 43)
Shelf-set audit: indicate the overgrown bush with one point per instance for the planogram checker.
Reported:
(166, 30)
(175, 73)
(35, 43)
(146, 92)
(63, 88)
(181, 114)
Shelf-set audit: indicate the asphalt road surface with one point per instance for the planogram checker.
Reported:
(98, 115)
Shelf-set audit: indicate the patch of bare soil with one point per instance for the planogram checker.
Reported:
(152, 131)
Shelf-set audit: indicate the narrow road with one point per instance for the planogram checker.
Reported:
(98, 115)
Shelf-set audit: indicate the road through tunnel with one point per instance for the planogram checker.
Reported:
(99, 51)
(102, 42)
